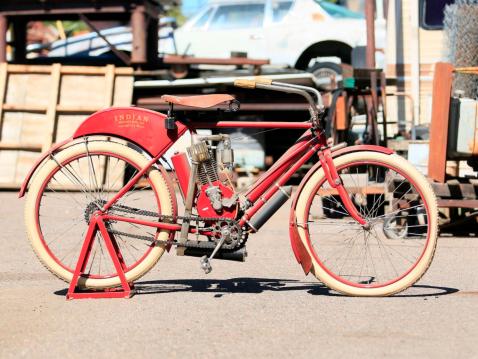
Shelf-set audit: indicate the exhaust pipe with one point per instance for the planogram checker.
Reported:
(271, 207)
(238, 255)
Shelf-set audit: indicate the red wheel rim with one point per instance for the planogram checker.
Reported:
(338, 277)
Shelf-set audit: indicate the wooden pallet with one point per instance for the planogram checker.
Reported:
(42, 105)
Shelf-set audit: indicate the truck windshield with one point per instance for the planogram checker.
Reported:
(338, 11)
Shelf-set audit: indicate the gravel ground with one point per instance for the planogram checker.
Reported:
(264, 307)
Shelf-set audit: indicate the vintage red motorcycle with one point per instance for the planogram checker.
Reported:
(363, 220)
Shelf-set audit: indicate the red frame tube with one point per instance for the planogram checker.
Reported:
(307, 145)
(290, 156)
(255, 124)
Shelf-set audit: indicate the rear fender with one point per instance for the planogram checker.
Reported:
(144, 128)
(300, 252)
(37, 164)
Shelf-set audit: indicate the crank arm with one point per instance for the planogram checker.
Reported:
(206, 262)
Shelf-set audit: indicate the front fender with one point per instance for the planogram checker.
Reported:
(300, 252)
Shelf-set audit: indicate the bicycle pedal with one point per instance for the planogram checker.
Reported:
(205, 264)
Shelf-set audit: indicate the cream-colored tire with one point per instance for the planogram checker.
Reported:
(35, 194)
(337, 271)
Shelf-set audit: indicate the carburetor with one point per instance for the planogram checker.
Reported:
(204, 156)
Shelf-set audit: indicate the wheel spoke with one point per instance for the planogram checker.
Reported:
(385, 250)
(63, 214)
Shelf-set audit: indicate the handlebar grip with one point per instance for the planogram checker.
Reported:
(248, 84)
(251, 84)
(263, 81)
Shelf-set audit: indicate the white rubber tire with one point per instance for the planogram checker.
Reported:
(158, 184)
(420, 181)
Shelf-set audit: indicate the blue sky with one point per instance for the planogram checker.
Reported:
(190, 7)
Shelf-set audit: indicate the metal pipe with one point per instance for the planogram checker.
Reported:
(238, 255)
(138, 28)
(370, 20)
(271, 207)
(3, 38)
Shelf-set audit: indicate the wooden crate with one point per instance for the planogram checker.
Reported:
(42, 105)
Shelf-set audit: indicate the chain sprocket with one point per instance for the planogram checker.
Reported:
(237, 239)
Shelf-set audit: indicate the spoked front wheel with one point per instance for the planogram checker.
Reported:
(396, 247)
(67, 190)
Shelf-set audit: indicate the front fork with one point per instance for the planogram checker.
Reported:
(335, 182)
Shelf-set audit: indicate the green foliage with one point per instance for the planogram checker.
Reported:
(177, 14)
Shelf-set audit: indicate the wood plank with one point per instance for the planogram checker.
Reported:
(67, 70)
(44, 104)
(77, 109)
(110, 76)
(20, 147)
(3, 90)
(341, 117)
(51, 111)
(23, 108)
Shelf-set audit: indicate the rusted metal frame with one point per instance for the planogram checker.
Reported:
(455, 190)
(442, 85)
(341, 112)
(36, 7)
(383, 99)
(19, 39)
(458, 203)
(190, 60)
(139, 53)
(3, 37)
(370, 60)
(123, 57)
(370, 21)
(3, 91)
(40, 10)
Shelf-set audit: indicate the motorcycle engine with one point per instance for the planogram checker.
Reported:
(216, 197)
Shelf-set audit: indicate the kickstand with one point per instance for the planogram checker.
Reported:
(126, 290)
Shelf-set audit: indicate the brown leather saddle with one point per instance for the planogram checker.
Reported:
(199, 101)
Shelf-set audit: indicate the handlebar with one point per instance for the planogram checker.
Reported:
(316, 107)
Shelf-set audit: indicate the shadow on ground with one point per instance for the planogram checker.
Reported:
(219, 287)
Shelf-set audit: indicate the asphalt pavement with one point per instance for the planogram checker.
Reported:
(263, 308)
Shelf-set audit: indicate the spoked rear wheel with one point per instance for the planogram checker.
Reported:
(75, 183)
(394, 250)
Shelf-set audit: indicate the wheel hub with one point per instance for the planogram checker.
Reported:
(92, 207)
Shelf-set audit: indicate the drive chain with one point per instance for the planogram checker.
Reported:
(242, 235)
